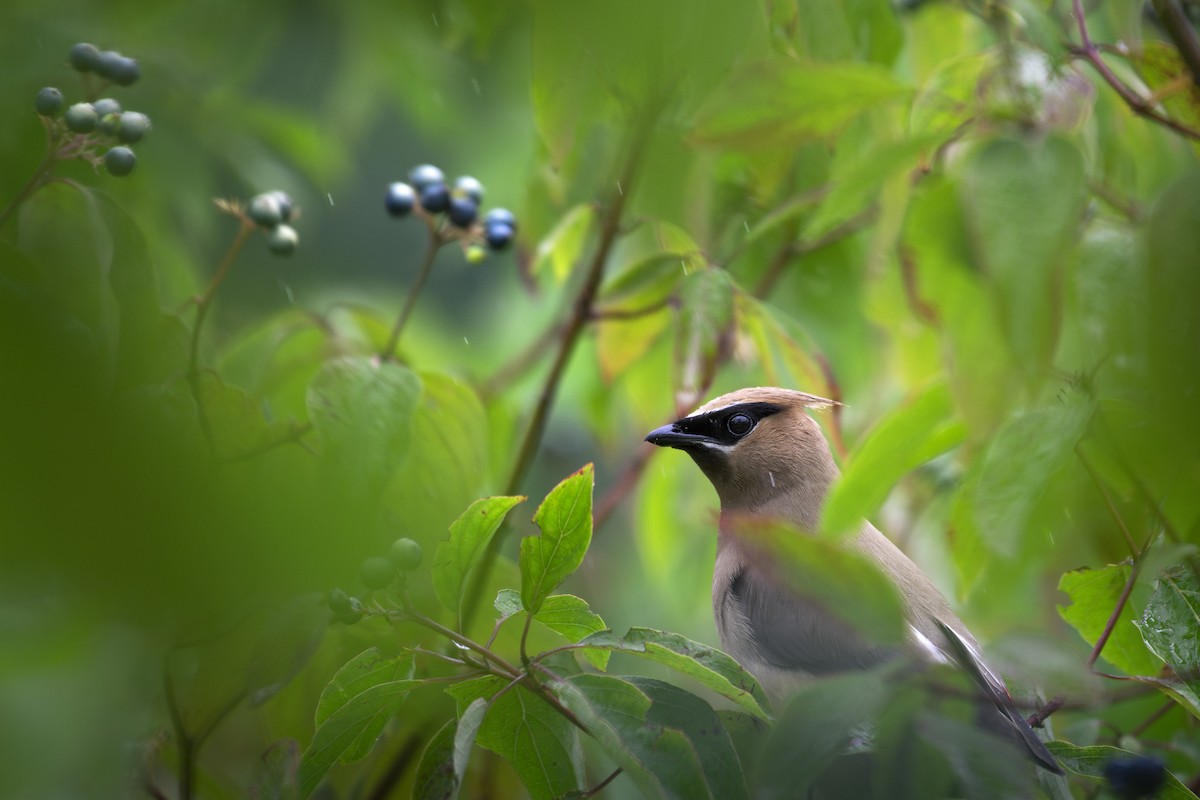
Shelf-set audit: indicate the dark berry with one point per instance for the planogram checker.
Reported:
(377, 572)
(117, 68)
(109, 123)
(264, 209)
(1133, 777)
(498, 235)
(502, 216)
(339, 602)
(435, 198)
(120, 161)
(468, 187)
(400, 199)
(133, 126)
(282, 239)
(354, 614)
(286, 206)
(49, 101)
(425, 175)
(84, 57)
(105, 106)
(462, 211)
(81, 118)
(406, 554)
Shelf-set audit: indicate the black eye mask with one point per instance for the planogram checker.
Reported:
(727, 425)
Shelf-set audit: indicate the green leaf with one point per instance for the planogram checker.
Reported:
(1027, 452)
(1091, 761)
(986, 766)
(704, 328)
(815, 726)
(1170, 627)
(234, 417)
(469, 722)
(468, 541)
(1094, 594)
(709, 666)
(361, 408)
(349, 733)
(565, 520)
(847, 584)
(561, 248)
(908, 436)
(368, 668)
(508, 602)
(436, 778)
(1160, 65)
(784, 102)
(539, 742)
(661, 761)
(570, 617)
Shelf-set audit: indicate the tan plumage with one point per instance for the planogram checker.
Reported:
(767, 457)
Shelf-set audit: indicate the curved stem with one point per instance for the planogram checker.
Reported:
(34, 182)
(435, 241)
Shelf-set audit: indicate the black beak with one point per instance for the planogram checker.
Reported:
(673, 435)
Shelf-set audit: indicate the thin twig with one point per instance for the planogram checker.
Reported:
(1039, 717)
(1114, 616)
(1112, 509)
(435, 241)
(1161, 712)
(1182, 34)
(186, 749)
(832, 236)
(595, 790)
(908, 271)
(31, 185)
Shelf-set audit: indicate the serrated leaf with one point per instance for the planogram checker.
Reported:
(709, 666)
(349, 733)
(368, 668)
(1091, 761)
(539, 742)
(903, 439)
(660, 760)
(814, 727)
(782, 103)
(436, 778)
(362, 408)
(1094, 594)
(468, 541)
(1024, 455)
(561, 248)
(571, 617)
(565, 520)
(508, 602)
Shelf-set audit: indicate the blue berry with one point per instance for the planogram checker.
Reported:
(498, 235)
(282, 240)
(1134, 777)
(264, 209)
(105, 106)
(468, 187)
(435, 198)
(400, 199)
(84, 57)
(462, 211)
(501, 216)
(49, 101)
(118, 69)
(120, 161)
(286, 206)
(424, 176)
(81, 118)
(133, 125)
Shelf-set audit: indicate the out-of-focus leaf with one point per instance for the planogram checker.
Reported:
(279, 359)
(469, 722)
(565, 520)
(234, 418)
(900, 441)
(783, 102)
(786, 352)
(277, 772)
(561, 248)
(1024, 456)
(906, 767)
(987, 767)
(1160, 65)
(1094, 594)
(288, 637)
(1091, 761)
(539, 742)
(469, 538)
(362, 409)
(815, 726)
(436, 778)
(709, 666)
(1024, 204)
(1170, 627)
(705, 319)
(747, 733)
(369, 668)
(846, 583)
(649, 261)
(660, 760)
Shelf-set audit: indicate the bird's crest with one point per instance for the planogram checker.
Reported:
(766, 394)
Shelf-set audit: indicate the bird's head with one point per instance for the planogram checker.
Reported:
(756, 446)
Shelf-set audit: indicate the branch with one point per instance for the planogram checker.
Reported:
(595, 790)
(1114, 616)
(36, 180)
(435, 241)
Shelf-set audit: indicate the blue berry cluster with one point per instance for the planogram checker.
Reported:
(83, 127)
(428, 194)
(272, 211)
(1135, 777)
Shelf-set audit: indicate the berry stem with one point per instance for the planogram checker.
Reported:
(202, 306)
(435, 241)
(36, 180)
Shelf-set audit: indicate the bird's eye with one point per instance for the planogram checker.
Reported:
(739, 424)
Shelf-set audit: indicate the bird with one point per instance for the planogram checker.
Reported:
(767, 458)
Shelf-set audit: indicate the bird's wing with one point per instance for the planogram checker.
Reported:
(794, 632)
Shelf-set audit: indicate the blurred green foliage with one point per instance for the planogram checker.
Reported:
(935, 213)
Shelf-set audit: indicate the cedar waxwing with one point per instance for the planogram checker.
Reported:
(767, 457)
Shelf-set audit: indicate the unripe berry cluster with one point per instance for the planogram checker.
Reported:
(85, 126)
(426, 193)
(377, 572)
(272, 211)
